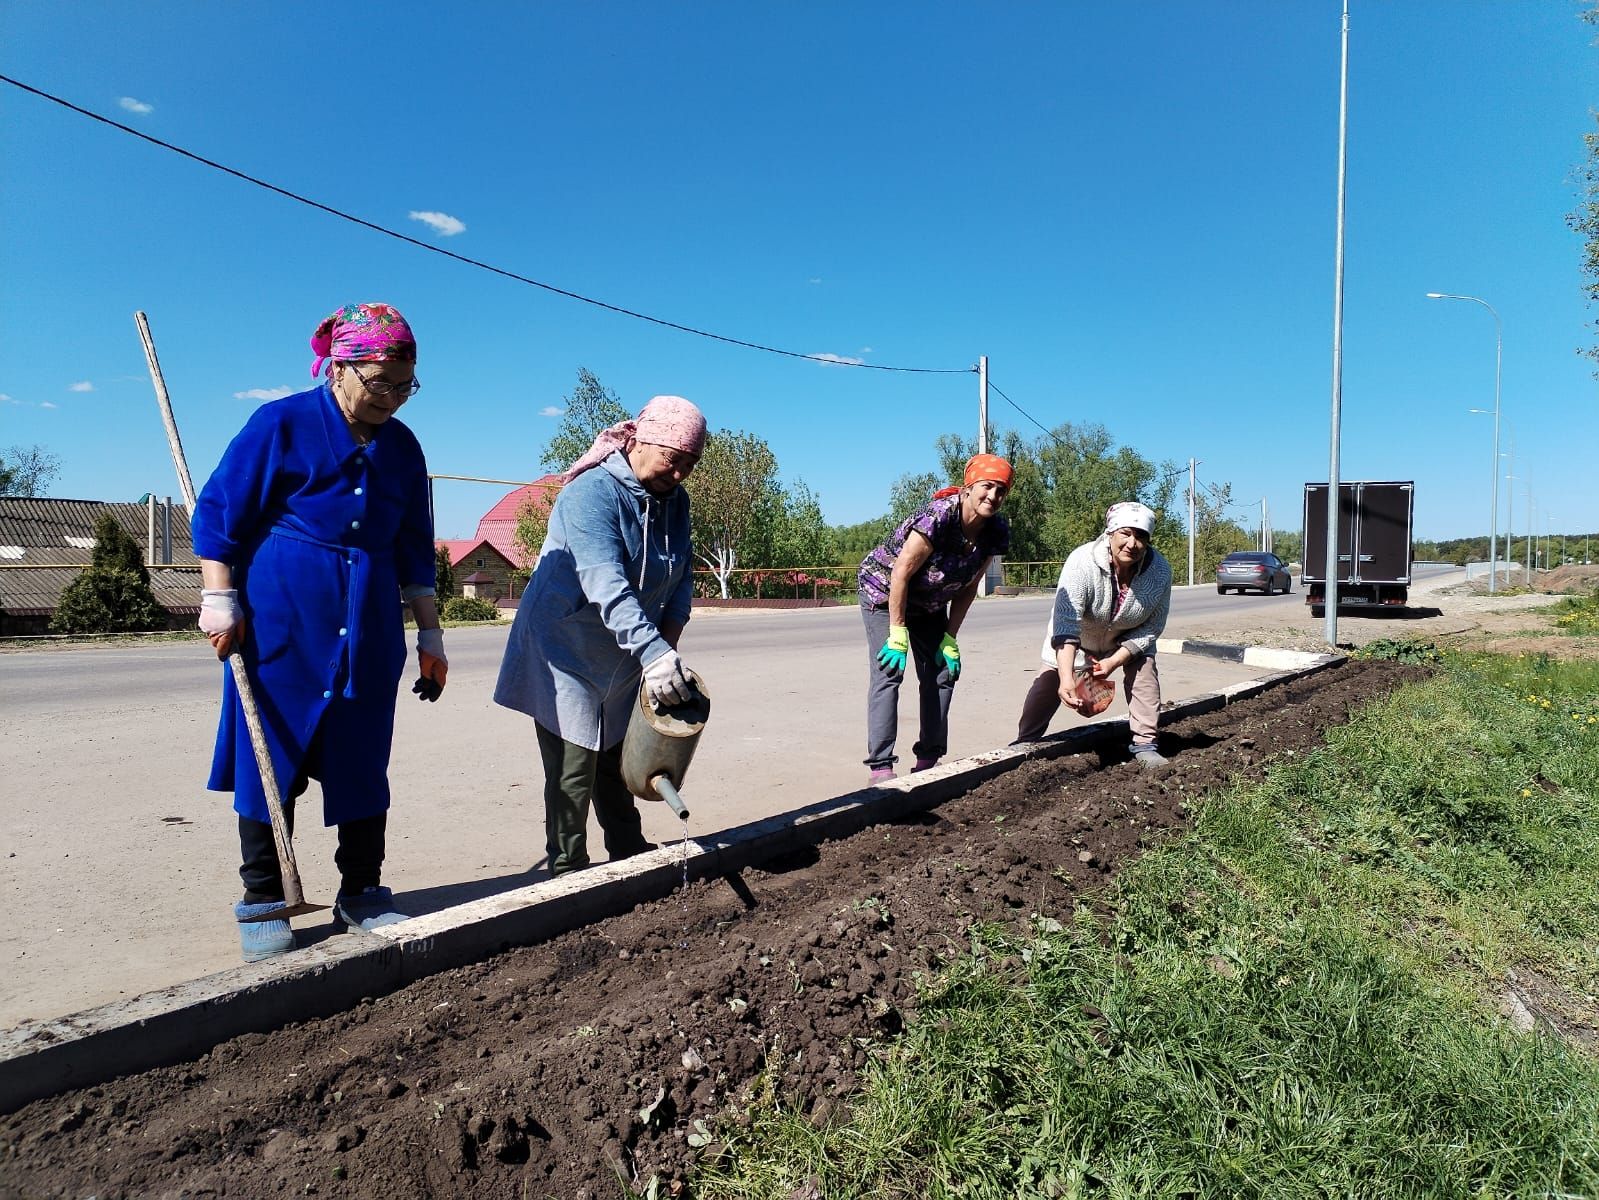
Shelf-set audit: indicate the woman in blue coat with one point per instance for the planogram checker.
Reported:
(607, 603)
(312, 532)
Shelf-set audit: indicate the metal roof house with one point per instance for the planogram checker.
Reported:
(46, 543)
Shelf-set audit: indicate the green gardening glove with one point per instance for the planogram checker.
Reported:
(952, 656)
(891, 658)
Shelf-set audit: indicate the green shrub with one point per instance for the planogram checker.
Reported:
(113, 595)
(469, 608)
(443, 573)
(1400, 650)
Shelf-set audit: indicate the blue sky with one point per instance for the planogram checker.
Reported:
(1128, 208)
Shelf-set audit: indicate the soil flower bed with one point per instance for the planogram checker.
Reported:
(610, 1060)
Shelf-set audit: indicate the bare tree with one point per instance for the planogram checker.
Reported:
(27, 470)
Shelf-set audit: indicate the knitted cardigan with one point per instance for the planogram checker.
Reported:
(1085, 603)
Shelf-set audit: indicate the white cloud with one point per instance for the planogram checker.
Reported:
(549, 410)
(442, 224)
(46, 404)
(842, 360)
(83, 385)
(816, 279)
(276, 393)
(5, 399)
(866, 349)
(136, 106)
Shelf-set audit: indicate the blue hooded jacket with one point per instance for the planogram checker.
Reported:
(616, 565)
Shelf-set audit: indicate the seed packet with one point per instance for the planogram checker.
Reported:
(1095, 693)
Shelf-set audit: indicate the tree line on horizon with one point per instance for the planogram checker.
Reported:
(748, 518)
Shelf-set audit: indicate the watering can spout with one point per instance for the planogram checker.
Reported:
(659, 745)
(668, 792)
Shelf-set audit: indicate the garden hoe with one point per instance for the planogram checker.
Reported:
(293, 893)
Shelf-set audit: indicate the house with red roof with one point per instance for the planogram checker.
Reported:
(490, 564)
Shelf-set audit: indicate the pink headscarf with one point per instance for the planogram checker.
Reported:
(665, 421)
(363, 333)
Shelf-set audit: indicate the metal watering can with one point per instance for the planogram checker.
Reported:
(659, 744)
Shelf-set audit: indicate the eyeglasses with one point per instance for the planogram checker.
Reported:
(387, 387)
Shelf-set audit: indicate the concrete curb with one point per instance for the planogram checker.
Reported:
(179, 1023)
(1250, 656)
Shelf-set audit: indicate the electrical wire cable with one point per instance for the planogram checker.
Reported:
(1023, 411)
(473, 262)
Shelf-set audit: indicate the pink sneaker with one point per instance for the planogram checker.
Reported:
(925, 764)
(880, 774)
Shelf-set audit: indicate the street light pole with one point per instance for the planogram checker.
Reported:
(1510, 492)
(1334, 491)
(1499, 354)
(1532, 520)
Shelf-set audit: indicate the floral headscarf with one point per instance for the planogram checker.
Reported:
(363, 333)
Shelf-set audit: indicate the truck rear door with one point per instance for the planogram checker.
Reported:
(1385, 515)
(1315, 554)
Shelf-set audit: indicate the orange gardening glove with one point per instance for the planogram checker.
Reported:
(434, 666)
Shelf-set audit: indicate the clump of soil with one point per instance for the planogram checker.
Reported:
(564, 1068)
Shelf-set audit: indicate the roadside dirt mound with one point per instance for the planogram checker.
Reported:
(561, 1069)
(1570, 580)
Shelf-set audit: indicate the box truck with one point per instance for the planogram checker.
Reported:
(1374, 532)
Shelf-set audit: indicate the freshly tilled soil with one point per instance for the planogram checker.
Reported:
(565, 1068)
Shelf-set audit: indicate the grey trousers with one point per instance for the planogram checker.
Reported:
(1140, 685)
(576, 778)
(935, 689)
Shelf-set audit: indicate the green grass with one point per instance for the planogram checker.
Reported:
(1294, 1000)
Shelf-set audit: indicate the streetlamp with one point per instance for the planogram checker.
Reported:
(1510, 492)
(1499, 347)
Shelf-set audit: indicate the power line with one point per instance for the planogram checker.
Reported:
(472, 262)
(1024, 412)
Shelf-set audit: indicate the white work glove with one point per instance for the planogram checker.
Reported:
(667, 682)
(221, 618)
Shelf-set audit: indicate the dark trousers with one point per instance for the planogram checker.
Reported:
(359, 856)
(934, 687)
(576, 779)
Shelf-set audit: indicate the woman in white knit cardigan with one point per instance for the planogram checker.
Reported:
(1110, 607)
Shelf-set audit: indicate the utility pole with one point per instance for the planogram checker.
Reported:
(1191, 465)
(985, 586)
(1330, 605)
(982, 404)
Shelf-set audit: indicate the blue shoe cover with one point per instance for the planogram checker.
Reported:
(372, 909)
(262, 939)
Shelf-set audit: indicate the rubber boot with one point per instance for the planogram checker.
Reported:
(1148, 757)
(262, 939)
(371, 908)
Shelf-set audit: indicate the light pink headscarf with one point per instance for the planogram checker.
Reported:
(363, 333)
(665, 421)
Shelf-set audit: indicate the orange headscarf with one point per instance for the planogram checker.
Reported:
(988, 466)
(981, 466)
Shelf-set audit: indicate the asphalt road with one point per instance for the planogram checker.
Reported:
(119, 868)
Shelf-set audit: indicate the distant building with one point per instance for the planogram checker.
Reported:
(45, 544)
(493, 564)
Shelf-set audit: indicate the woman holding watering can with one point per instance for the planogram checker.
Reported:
(312, 531)
(1110, 607)
(915, 590)
(606, 605)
